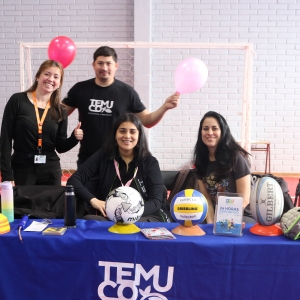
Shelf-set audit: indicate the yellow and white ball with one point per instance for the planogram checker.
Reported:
(189, 207)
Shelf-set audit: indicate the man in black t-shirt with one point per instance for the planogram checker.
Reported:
(102, 99)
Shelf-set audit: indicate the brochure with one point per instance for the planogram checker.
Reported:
(54, 231)
(36, 226)
(229, 214)
(158, 233)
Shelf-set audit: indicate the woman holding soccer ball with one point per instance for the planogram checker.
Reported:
(222, 165)
(124, 160)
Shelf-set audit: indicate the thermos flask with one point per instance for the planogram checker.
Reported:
(70, 207)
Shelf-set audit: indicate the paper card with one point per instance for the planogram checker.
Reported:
(158, 233)
(54, 231)
(36, 226)
(229, 214)
(40, 159)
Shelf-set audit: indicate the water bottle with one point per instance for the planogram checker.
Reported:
(70, 207)
(7, 200)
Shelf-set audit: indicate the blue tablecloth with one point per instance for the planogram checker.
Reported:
(89, 262)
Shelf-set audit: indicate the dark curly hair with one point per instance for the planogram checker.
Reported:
(226, 151)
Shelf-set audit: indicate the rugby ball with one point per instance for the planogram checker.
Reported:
(189, 207)
(266, 201)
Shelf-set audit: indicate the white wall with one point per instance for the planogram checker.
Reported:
(271, 25)
(41, 21)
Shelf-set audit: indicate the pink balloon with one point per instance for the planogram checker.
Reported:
(62, 49)
(190, 75)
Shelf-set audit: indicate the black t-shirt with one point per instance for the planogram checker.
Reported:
(98, 109)
(225, 184)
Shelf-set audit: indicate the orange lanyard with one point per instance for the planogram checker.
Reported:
(40, 122)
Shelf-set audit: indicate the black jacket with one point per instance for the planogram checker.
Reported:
(148, 180)
(19, 131)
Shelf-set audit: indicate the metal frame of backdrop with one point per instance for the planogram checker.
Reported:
(248, 66)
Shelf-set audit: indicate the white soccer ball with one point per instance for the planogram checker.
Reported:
(266, 201)
(124, 205)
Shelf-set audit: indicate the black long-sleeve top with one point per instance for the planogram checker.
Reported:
(19, 132)
(148, 181)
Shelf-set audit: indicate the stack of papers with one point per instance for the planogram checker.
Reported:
(55, 231)
(158, 233)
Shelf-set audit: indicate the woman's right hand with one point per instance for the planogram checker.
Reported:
(78, 132)
(99, 205)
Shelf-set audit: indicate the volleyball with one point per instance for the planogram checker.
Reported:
(189, 207)
(124, 205)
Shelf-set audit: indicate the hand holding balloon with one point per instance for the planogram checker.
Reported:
(172, 101)
(190, 75)
(62, 49)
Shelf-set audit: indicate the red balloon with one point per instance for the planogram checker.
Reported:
(62, 49)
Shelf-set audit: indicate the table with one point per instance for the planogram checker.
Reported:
(90, 261)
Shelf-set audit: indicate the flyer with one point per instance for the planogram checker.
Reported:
(158, 233)
(54, 231)
(229, 214)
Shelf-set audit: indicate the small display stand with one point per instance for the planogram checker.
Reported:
(229, 214)
(124, 228)
(270, 230)
(188, 230)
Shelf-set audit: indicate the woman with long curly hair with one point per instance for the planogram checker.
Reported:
(222, 165)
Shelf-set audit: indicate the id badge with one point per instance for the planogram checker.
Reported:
(40, 159)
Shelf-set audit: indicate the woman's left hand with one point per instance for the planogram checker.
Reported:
(78, 132)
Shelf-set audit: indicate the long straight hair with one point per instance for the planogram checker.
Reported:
(226, 151)
(56, 108)
(141, 149)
